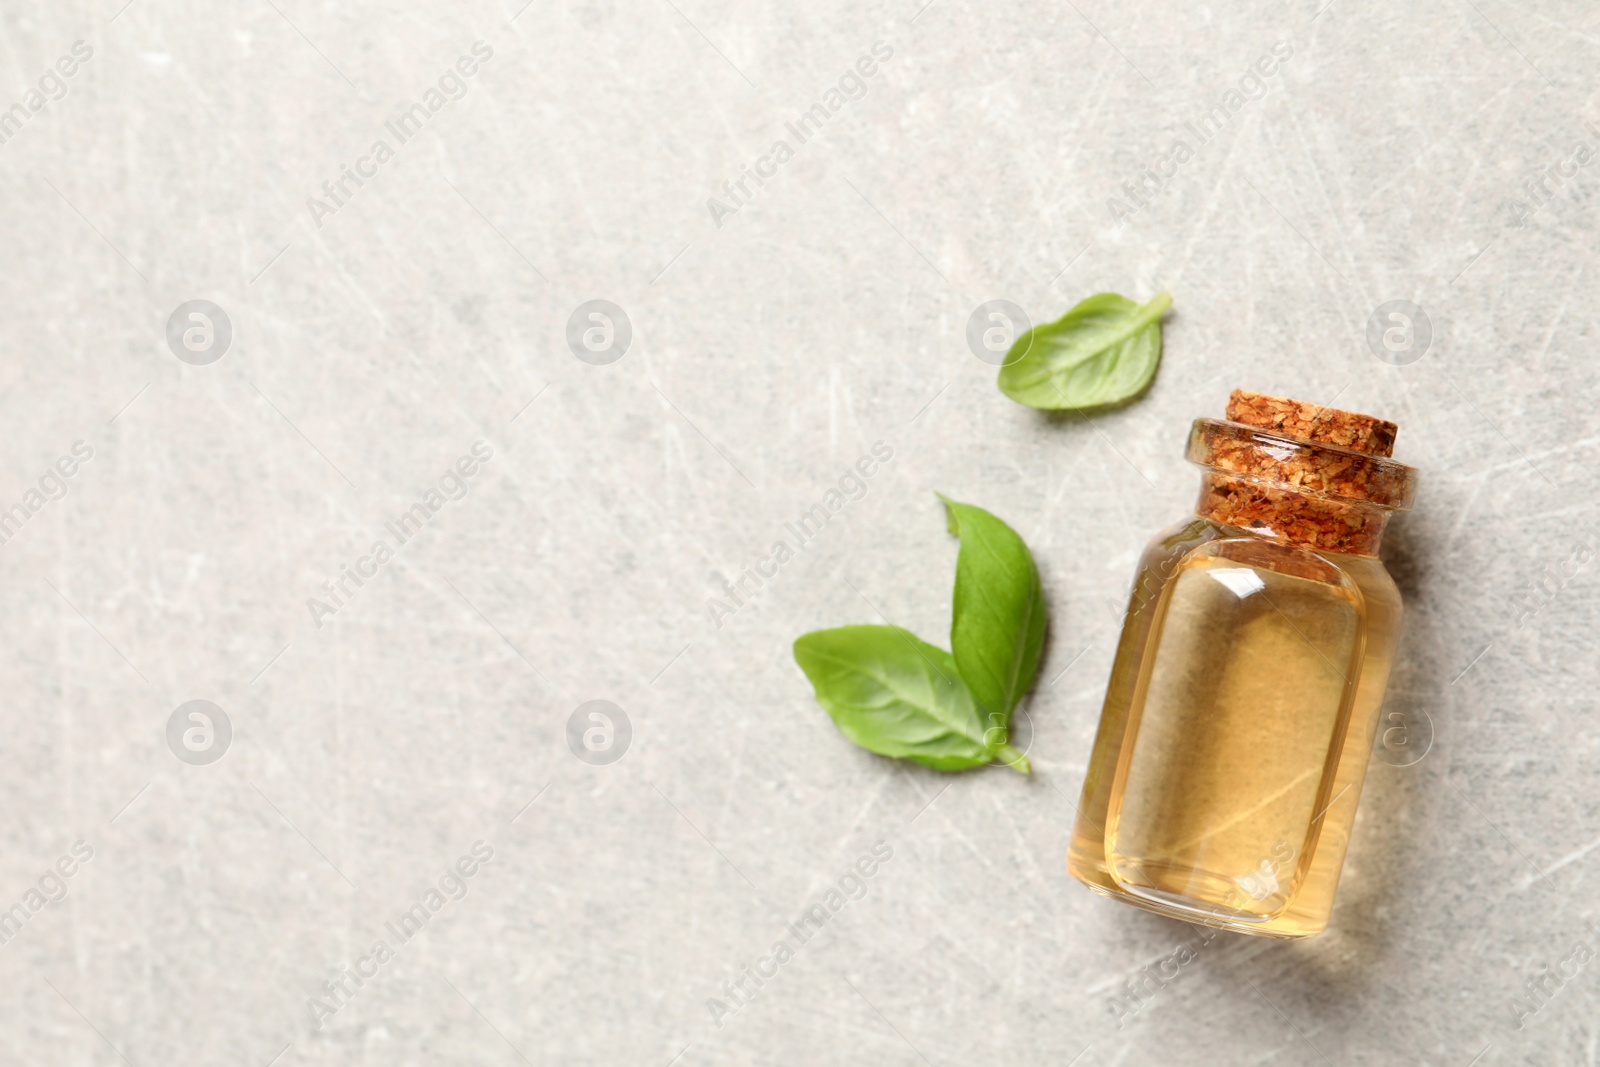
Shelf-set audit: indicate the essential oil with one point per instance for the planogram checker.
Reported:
(1244, 698)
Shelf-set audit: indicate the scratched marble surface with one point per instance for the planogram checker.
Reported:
(377, 844)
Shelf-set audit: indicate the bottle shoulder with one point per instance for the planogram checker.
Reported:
(1167, 549)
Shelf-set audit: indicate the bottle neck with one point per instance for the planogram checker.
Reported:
(1280, 512)
(1297, 472)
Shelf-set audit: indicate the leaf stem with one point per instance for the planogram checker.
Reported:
(1017, 761)
(1146, 315)
(1157, 306)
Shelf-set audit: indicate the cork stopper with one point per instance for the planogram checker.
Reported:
(1300, 472)
(1312, 422)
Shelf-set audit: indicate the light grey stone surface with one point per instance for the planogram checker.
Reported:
(374, 345)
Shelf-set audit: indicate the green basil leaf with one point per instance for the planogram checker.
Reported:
(1104, 351)
(998, 619)
(894, 694)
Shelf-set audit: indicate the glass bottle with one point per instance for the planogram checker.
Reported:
(1244, 698)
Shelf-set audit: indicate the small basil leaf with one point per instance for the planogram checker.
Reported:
(1104, 351)
(894, 694)
(998, 619)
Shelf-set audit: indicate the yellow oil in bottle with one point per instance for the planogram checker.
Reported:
(1246, 696)
(1237, 727)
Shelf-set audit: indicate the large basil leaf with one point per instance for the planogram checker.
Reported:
(1104, 351)
(998, 619)
(894, 694)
